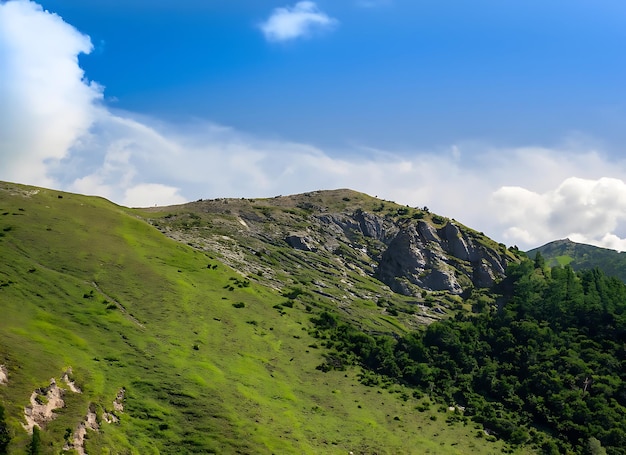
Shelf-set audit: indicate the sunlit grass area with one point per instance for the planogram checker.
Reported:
(210, 360)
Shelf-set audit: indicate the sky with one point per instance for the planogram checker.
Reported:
(509, 117)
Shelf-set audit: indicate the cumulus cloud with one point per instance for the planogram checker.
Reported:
(469, 183)
(51, 113)
(55, 131)
(144, 194)
(584, 210)
(47, 103)
(300, 20)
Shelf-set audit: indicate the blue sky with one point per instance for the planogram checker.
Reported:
(509, 116)
(402, 74)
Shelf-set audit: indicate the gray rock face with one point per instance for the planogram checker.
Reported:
(359, 223)
(418, 259)
(410, 250)
(374, 226)
(427, 232)
(415, 254)
(444, 259)
(299, 242)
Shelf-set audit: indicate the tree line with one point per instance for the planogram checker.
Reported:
(545, 365)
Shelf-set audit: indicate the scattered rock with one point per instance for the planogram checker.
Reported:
(91, 420)
(118, 403)
(78, 438)
(242, 222)
(109, 417)
(4, 375)
(43, 403)
(118, 406)
(299, 242)
(71, 384)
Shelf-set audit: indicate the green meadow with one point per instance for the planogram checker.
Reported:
(210, 360)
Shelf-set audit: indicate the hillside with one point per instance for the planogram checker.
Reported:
(580, 256)
(208, 343)
(341, 246)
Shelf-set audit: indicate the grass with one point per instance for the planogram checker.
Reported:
(563, 260)
(88, 284)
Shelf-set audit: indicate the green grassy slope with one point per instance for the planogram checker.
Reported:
(207, 363)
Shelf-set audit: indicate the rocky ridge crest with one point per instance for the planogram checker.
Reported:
(409, 249)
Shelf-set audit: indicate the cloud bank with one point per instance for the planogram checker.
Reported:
(47, 103)
(56, 131)
(584, 210)
(301, 20)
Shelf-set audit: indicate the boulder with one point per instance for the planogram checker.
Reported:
(302, 243)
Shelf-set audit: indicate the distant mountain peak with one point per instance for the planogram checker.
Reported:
(581, 256)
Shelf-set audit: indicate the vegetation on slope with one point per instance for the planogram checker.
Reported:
(337, 244)
(203, 359)
(546, 367)
(583, 257)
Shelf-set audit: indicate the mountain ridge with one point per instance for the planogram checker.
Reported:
(407, 248)
(174, 351)
(270, 326)
(582, 256)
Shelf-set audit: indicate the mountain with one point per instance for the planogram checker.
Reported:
(200, 328)
(409, 249)
(580, 256)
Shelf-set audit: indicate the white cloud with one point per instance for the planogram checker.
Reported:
(54, 131)
(584, 210)
(300, 20)
(46, 102)
(208, 160)
(145, 194)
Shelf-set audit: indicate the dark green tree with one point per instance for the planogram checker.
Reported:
(540, 262)
(34, 448)
(5, 436)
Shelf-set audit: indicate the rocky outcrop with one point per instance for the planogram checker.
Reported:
(410, 250)
(359, 223)
(411, 256)
(4, 375)
(300, 242)
(444, 259)
(43, 403)
(70, 383)
(413, 259)
(374, 226)
(77, 443)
